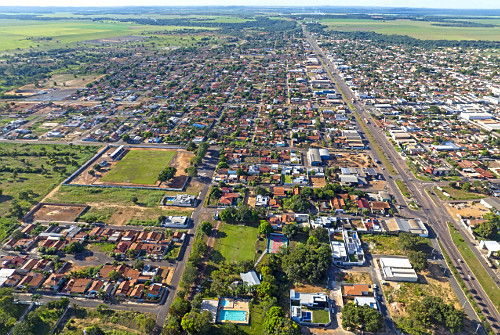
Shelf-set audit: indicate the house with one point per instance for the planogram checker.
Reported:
(180, 200)
(379, 207)
(261, 200)
(123, 288)
(250, 278)
(368, 301)
(179, 222)
(490, 246)
(279, 192)
(54, 282)
(76, 286)
(304, 305)
(357, 290)
(137, 292)
(155, 291)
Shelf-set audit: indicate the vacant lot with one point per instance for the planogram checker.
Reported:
(139, 167)
(467, 210)
(456, 194)
(29, 171)
(237, 243)
(417, 29)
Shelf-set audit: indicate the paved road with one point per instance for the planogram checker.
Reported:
(433, 214)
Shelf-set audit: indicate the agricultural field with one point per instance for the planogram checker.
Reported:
(417, 29)
(139, 167)
(29, 172)
(24, 34)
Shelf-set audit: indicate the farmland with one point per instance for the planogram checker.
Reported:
(25, 34)
(139, 167)
(417, 29)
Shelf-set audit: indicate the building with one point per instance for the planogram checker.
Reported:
(397, 225)
(324, 154)
(261, 200)
(117, 154)
(490, 246)
(179, 222)
(397, 269)
(314, 157)
(368, 301)
(250, 278)
(491, 203)
(304, 305)
(180, 200)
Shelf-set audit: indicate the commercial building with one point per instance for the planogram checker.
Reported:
(397, 269)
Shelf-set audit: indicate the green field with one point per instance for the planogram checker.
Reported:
(139, 167)
(417, 29)
(403, 188)
(456, 194)
(238, 243)
(23, 34)
(488, 284)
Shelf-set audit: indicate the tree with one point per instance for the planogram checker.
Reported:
(36, 297)
(206, 227)
(258, 190)
(418, 260)
(196, 323)
(134, 199)
(355, 316)
(191, 171)
(94, 330)
(273, 318)
(409, 241)
(215, 192)
(307, 263)
(179, 307)
(265, 228)
(290, 230)
(466, 186)
(167, 174)
(228, 214)
(17, 234)
(298, 204)
(138, 264)
(321, 234)
(102, 309)
(115, 275)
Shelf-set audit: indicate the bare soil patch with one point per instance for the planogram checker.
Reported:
(64, 213)
(467, 210)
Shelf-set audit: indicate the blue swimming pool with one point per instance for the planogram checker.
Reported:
(225, 302)
(306, 316)
(232, 315)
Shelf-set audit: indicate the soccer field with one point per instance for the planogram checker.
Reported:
(139, 167)
(238, 243)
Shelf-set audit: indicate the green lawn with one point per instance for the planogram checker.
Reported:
(256, 321)
(456, 194)
(403, 188)
(139, 167)
(238, 242)
(417, 29)
(477, 268)
(321, 316)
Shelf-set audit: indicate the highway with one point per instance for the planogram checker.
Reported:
(434, 215)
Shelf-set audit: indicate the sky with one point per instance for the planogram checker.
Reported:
(458, 4)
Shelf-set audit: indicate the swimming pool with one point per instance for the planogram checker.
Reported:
(232, 315)
(225, 303)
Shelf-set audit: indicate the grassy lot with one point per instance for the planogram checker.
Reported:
(111, 322)
(34, 170)
(457, 194)
(417, 29)
(119, 196)
(140, 167)
(101, 247)
(403, 188)
(488, 284)
(256, 321)
(389, 244)
(237, 243)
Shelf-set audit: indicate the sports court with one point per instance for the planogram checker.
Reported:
(275, 242)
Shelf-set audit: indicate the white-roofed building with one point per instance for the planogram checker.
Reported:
(397, 269)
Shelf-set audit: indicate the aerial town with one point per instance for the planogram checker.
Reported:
(247, 174)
